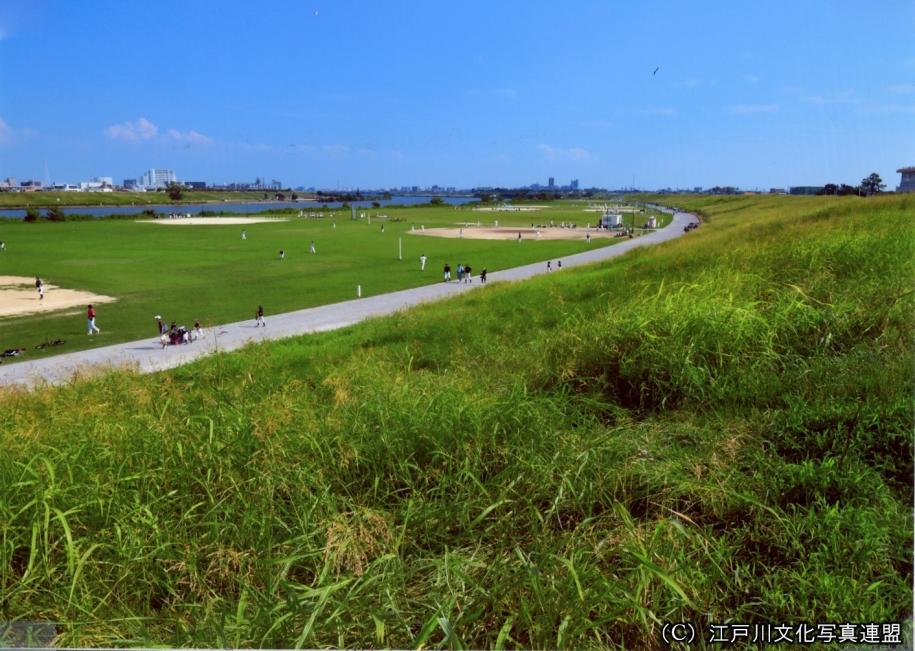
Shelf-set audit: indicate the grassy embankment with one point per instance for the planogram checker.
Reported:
(208, 273)
(716, 429)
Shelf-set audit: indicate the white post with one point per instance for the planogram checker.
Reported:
(399, 248)
(358, 291)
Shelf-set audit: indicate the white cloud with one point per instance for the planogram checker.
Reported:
(189, 137)
(573, 153)
(137, 131)
(750, 109)
(8, 135)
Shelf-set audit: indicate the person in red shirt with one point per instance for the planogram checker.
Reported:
(90, 314)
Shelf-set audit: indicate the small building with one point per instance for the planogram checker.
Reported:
(907, 184)
(611, 220)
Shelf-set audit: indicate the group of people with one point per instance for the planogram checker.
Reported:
(464, 273)
(175, 334)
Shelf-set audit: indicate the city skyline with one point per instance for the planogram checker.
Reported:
(469, 96)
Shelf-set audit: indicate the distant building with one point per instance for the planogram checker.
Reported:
(30, 186)
(805, 189)
(155, 178)
(776, 191)
(9, 183)
(697, 188)
(196, 185)
(908, 179)
(98, 184)
(130, 184)
(93, 186)
(574, 184)
(551, 183)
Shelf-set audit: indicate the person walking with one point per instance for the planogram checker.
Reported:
(588, 238)
(259, 317)
(447, 271)
(39, 285)
(549, 266)
(468, 274)
(2, 246)
(311, 247)
(90, 316)
(422, 262)
(483, 276)
(282, 254)
(244, 235)
(559, 264)
(460, 272)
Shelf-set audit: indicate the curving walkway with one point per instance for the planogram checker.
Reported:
(147, 355)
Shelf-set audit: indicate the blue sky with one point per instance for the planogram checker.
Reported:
(349, 94)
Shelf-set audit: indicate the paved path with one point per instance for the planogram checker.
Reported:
(147, 355)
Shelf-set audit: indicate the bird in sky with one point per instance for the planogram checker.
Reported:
(655, 71)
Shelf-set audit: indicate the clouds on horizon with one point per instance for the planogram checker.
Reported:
(132, 132)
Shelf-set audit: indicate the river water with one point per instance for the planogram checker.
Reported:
(234, 206)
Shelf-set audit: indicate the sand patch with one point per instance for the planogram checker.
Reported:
(508, 208)
(18, 296)
(211, 221)
(509, 233)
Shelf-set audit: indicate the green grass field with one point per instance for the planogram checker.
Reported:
(717, 429)
(208, 273)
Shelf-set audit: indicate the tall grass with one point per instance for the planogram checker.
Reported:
(718, 429)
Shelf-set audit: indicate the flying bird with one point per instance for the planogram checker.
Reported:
(655, 71)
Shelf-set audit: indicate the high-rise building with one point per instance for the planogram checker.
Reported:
(154, 178)
(551, 183)
(574, 184)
